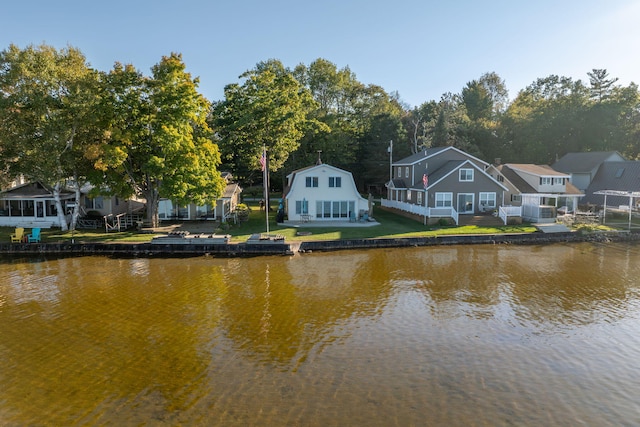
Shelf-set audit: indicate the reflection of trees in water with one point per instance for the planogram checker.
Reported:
(571, 284)
(454, 279)
(111, 337)
(581, 283)
(280, 309)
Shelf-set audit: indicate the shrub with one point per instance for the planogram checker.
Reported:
(243, 211)
(443, 222)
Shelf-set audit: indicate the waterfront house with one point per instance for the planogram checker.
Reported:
(323, 192)
(620, 181)
(538, 189)
(583, 167)
(32, 204)
(223, 209)
(443, 182)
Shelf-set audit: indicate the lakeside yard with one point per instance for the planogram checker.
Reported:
(391, 226)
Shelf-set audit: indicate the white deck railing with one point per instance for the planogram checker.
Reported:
(504, 212)
(444, 212)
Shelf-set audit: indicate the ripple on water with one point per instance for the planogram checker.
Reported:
(442, 336)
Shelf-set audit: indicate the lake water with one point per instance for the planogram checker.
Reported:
(454, 336)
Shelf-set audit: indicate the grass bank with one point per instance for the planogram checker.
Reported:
(391, 226)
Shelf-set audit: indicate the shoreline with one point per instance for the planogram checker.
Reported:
(234, 250)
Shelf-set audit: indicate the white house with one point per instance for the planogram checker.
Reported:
(222, 210)
(323, 193)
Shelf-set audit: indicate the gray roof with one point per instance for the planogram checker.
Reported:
(582, 162)
(620, 176)
(523, 186)
(414, 158)
(446, 169)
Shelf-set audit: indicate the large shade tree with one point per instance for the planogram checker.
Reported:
(160, 144)
(268, 109)
(48, 103)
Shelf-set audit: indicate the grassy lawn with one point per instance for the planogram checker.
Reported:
(391, 226)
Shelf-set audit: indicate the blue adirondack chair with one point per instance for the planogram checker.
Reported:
(34, 236)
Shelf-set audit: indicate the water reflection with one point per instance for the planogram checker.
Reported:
(460, 335)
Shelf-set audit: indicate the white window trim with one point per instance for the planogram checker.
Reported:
(466, 170)
(487, 199)
(448, 197)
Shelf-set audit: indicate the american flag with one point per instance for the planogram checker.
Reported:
(263, 160)
(425, 180)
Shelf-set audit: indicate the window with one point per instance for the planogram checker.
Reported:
(335, 181)
(312, 181)
(444, 200)
(558, 181)
(488, 200)
(302, 207)
(408, 194)
(406, 172)
(466, 175)
(399, 172)
(500, 178)
(334, 209)
(545, 180)
(516, 197)
(419, 201)
(96, 203)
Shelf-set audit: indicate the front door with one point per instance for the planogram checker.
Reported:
(465, 203)
(39, 210)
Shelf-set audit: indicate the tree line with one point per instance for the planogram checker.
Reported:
(156, 136)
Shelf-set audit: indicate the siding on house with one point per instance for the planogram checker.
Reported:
(314, 191)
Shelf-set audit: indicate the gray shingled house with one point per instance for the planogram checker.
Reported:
(614, 177)
(582, 167)
(539, 189)
(443, 182)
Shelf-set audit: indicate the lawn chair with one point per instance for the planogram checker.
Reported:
(34, 236)
(18, 235)
(365, 217)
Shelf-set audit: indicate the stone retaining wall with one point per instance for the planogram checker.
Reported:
(247, 250)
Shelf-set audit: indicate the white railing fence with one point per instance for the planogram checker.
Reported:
(504, 212)
(444, 212)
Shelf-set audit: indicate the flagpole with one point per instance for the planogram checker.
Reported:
(265, 174)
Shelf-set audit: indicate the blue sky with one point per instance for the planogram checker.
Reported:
(420, 48)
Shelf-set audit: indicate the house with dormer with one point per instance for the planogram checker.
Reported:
(582, 167)
(443, 182)
(538, 189)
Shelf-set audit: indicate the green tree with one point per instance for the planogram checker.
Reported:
(160, 145)
(601, 85)
(269, 109)
(47, 111)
